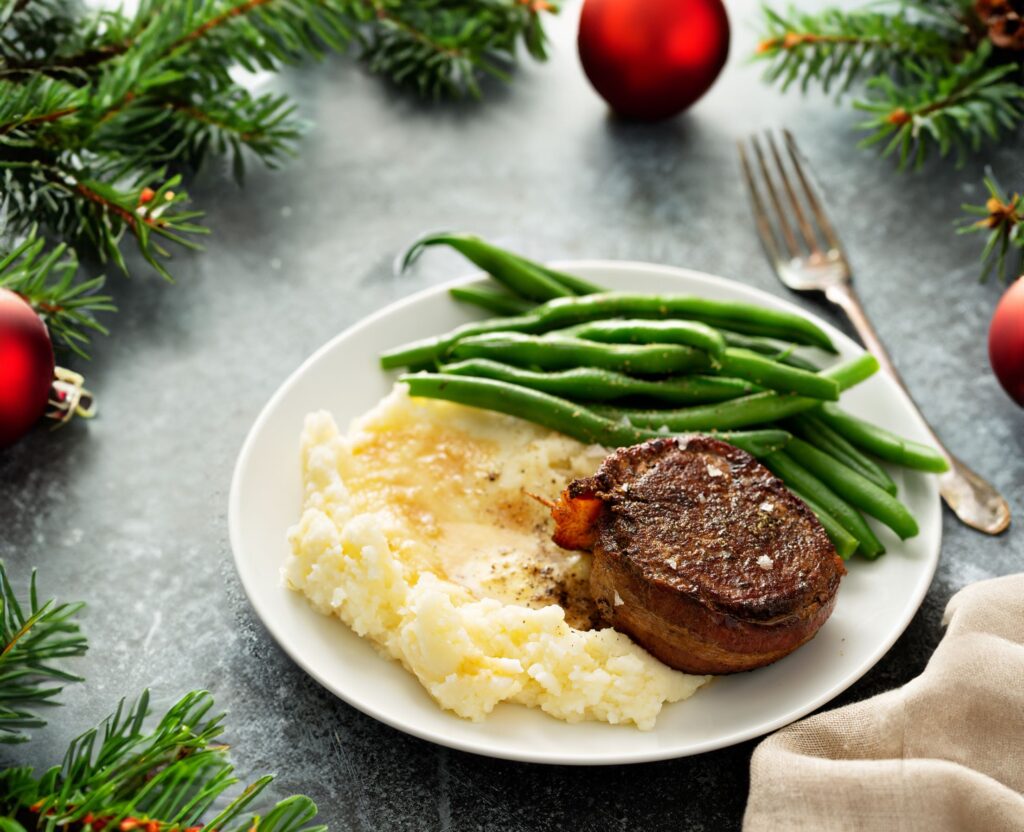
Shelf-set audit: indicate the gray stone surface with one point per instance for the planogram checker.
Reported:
(128, 512)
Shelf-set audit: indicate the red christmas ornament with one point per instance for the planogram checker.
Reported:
(651, 59)
(1006, 341)
(26, 367)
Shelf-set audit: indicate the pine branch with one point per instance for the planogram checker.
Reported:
(48, 281)
(431, 46)
(935, 84)
(834, 48)
(184, 127)
(90, 116)
(32, 635)
(952, 111)
(121, 776)
(1002, 217)
(98, 205)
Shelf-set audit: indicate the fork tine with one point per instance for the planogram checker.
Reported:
(806, 231)
(764, 228)
(773, 195)
(811, 193)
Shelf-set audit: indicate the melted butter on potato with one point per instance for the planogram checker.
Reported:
(419, 533)
(458, 479)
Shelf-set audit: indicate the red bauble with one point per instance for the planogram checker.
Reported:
(1006, 341)
(26, 367)
(650, 59)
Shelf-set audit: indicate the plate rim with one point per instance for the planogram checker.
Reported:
(484, 747)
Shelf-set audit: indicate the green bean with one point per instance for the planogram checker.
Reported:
(689, 333)
(497, 302)
(541, 408)
(591, 384)
(552, 352)
(883, 443)
(852, 372)
(822, 436)
(576, 285)
(740, 363)
(746, 318)
(856, 489)
(754, 409)
(799, 478)
(757, 443)
(845, 543)
(516, 274)
(828, 441)
(431, 349)
(413, 354)
(560, 414)
(781, 353)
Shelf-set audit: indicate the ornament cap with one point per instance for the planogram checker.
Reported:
(69, 398)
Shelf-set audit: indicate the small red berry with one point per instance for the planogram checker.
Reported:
(146, 195)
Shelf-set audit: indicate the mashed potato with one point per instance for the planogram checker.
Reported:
(418, 533)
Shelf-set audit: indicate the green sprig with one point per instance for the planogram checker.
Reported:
(33, 634)
(1002, 220)
(171, 777)
(932, 81)
(949, 113)
(441, 46)
(834, 48)
(168, 778)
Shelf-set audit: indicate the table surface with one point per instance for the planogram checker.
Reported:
(129, 512)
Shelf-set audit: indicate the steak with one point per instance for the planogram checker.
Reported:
(701, 555)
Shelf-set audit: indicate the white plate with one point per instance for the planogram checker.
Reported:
(876, 600)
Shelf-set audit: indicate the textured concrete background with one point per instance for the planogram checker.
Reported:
(128, 513)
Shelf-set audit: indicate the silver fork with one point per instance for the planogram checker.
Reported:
(793, 225)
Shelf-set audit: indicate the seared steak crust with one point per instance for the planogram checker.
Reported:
(702, 555)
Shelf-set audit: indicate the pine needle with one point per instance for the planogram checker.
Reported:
(32, 636)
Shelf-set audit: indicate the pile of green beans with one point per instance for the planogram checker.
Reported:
(745, 318)
(618, 368)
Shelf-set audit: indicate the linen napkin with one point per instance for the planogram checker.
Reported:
(944, 752)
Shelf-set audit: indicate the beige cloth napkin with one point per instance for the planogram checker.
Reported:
(944, 752)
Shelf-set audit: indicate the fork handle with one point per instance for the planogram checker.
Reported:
(974, 500)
